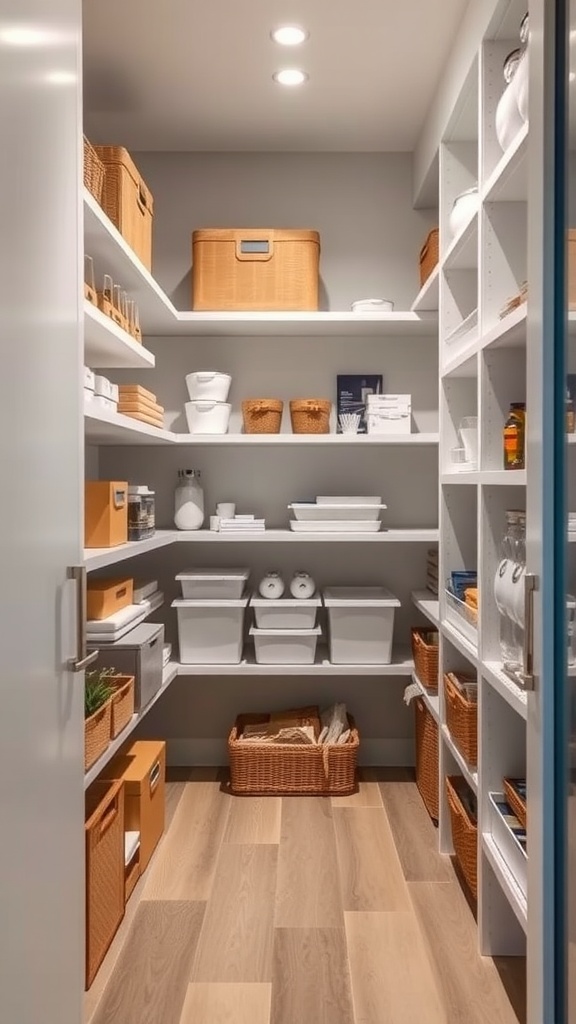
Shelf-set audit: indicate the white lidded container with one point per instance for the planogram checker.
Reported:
(286, 613)
(285, 646)
(210, 632)
(312, 512)
(207, 417)
(213, 584)
(361, 621)
(208, 384)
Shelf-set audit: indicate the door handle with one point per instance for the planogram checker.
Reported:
(82, 659)
(527, 678)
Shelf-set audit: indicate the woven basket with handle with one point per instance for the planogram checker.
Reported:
(97, 734)
(516, 801)
(427, 754)
(122, 703)
(425, 654)
(461, 719)
(310, 416)
(262, 415)
(104, 834)
(464, 833)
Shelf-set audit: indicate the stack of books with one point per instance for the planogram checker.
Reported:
(242, 524)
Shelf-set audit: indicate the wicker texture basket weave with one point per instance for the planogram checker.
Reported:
(516, 802)
(425, 654)
(429, 254)
(104, 835)
(127, 201)
(310, 416)
(464, 834)
(260, 769)
(122, 703)
(93, 171)
(462, 720)
(97, 734)
(262, 415)
(427, 757)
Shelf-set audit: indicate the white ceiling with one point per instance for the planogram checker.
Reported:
(197, 74)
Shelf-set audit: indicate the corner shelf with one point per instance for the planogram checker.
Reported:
(509, 332)
(509, 179)
(107, 346)
(462, 253)
(99, 558)
(286, 536)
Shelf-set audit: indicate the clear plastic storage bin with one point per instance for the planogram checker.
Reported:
(285, 646)
(210, 632)
(361, 621)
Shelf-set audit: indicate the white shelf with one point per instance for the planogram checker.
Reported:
(99, 558)
(432, 701)
(507, 881)
(465, 362)
(168, 675)
(506, 687)
(107, 346)
(401, 665)
(111, 428)
(460, 642)
(429, 605)
(509, 179)
(462, 253)
(428, 297)
(469, 774)
(465, 477)
(509, 332)
(288, 537)
(503, 477)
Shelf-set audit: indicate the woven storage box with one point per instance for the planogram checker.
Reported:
(127, 201)
(429, 255)
(104, 836)
(262, 415)
(464, 833)
(425, 654)
(427, 755)
(93, 171)
(516, 801)
(97, 734)
(260, 769)
(255, 269)
(122, 703)
(461, 719)
(310, 416)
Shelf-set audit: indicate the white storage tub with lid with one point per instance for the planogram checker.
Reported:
(207, 417)
(285, 612)
(285, 646)
(361, 621)
(210, 632)
(213, 584)
(208, 384)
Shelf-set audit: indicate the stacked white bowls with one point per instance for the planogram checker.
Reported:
(208, 411)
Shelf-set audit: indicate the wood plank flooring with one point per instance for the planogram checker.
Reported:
(301, 910)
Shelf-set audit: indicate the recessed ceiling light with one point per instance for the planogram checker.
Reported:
(289, 35)
(290, 76)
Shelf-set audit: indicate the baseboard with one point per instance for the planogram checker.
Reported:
(394, 753)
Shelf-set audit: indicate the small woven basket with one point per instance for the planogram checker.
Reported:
(464, 834)
(516, 802)
(97, 734)
(93, 171)
(122, 703)
(427, 755)
(461, 719)
(429, 255)
(266, 769)
(425, 654)
(310, 416)
(262, 415)
(104, 837)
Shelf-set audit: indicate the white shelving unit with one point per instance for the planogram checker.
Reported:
(402, 664)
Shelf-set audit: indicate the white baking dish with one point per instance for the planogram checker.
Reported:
(285, 646)
(210, 632)
(285, 613)
(208, 385)
(335, 526)
(309, 512)
(348, 499)
(361, 621)
(213, 584)
(207, 417)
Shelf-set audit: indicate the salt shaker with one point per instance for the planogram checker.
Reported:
(272, 586)
(302, 586)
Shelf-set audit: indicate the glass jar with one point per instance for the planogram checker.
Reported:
(189, 500)
(515, 437)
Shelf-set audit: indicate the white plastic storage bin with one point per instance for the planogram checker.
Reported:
(210, 632)
(208, 385)
(285, 613)
(361, 621)
(207, 417)
(285, 646)
(213, 584)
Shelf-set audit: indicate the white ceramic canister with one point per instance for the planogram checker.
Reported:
(508, 121)
(188, 500)
(209, 385)
(302, 586)
(207, 417)
(520, 83)
(517, 593)
(464, 207)
(272, 586)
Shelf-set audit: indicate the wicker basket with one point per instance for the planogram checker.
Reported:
(461, 719)
(104, 835)
(127, 201)
(464, 833)
(93, 171)
(429, 255)
(427, 756)
(517, 803)
(425, 654)
(310, 416)
(122, 703)
(97, 734)
(260, 769)
(262, 415)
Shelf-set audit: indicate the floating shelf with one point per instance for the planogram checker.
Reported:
(428, 297)
(111, 428)
(510, 332)
(506, 687)
(503, 477)
(401, 665)
(107, 346)
(460, 642)
(286, 536)
(432, 701)
(469, 773)
(464, 363)
(429, 605)
(509, 179)
(468, 477)
(99, 558)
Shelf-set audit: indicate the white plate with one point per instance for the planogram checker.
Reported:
(335, 526)
(316, 513)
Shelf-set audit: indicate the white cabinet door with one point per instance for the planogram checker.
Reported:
(41, 702)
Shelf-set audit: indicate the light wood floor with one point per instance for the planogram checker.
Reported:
(301, 911)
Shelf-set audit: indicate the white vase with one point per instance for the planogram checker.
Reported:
(272, 586)
(302, 586)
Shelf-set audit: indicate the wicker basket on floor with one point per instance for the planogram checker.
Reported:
(97, 734)
(464, 833)
(104, 834)
(461, 719)
(122, 703)
(427, 756)
(425, 654)
(310, 416)
(267, 769)
(93, 171)
(429, 255)
(262, 415)
(516, 802)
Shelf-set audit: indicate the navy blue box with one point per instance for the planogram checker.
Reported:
(353, 389)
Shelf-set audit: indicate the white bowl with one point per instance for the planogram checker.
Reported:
(209, 385)
(205, 417)
(464, 208)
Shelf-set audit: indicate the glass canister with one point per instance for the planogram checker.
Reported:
(188, 500)
(141, 512)
(504, 591)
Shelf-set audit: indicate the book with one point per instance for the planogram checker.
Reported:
(353, 390)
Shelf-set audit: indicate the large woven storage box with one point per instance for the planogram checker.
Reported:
(255, 269)
(461, 718)
(258, 769)
(104, 834)
(127, 201)
(427, 758)
(464, 833)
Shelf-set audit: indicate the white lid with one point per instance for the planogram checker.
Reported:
(139, 489)
(360, 597)
(325, 506)
(285, 632)
(214, 575)
(286, 602)
(183, 602)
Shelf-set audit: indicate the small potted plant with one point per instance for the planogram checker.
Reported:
(98, 692)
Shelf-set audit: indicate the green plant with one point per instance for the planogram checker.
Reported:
(98, 689)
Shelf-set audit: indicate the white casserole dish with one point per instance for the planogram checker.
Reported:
(305, 512)
(209, 385)
(208, 417)
(335, 526)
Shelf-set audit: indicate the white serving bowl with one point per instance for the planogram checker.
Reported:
(209, 385)
(205, 417)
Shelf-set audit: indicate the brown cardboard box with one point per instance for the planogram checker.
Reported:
(142, 767)
(105, 513)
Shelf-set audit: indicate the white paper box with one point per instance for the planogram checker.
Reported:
(285, 613)
(361, 621)
(285, 646)
(389, 414)
(210, 632)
